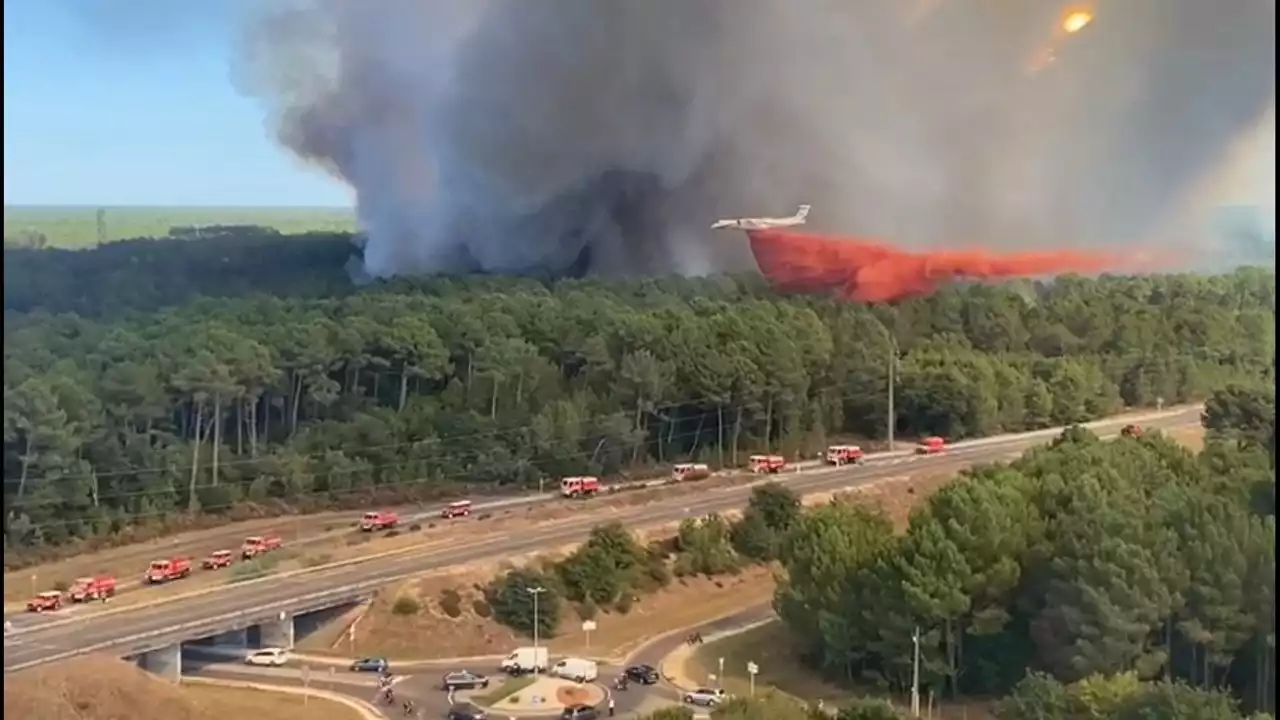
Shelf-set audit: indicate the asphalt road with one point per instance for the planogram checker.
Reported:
(423, 685)
(109, 631)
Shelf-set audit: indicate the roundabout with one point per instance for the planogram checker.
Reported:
(545, 697)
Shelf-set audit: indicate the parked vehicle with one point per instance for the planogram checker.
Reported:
(218, 559)
(267, 657)
(689, 472)
(706, 697)
(260, 545)
(378, 665)
(931, 446)
(575, 487)
(162, 571)
(579, 712)
(464, 680)
(845, 455)
(643, 674)
(461, 508)
(576, 669)
(98, 587)
(771, 464)
(379, 520)
(525, 660)
(45, 602)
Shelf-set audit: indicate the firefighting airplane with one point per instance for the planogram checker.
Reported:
(763, 223)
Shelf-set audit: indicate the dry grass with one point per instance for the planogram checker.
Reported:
(226, 702)
(431, 633)
(103, 688)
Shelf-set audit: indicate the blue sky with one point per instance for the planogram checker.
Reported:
(131, 102)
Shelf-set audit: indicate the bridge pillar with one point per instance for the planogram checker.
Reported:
(278, 632)
(165, 662)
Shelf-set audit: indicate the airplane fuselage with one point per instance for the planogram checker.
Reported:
(763, 223)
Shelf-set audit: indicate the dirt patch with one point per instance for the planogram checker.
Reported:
(104, 688)
(568, 695)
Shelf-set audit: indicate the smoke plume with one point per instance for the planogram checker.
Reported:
(568, 136)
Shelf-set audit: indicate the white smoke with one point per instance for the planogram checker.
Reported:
(509, 135)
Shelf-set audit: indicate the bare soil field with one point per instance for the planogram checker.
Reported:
(103, 688)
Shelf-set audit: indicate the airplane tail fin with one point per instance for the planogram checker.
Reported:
(803, 212)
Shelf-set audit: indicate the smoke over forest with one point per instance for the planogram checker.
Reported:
(572, 136)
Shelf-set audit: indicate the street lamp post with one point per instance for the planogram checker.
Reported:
(535, 592)
(915, 673)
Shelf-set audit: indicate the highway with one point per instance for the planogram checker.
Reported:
(122, 630)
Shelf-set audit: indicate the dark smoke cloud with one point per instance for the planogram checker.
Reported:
(566, 135)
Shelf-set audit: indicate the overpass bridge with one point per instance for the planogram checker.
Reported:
(270, 606)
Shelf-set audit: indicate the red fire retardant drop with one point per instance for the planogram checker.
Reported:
(866, 271)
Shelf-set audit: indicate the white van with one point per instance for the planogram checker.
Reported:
(525, 660)
(576, 669)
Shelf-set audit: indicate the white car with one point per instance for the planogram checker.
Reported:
(271, 657)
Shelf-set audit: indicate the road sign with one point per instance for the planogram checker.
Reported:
(752, 669)
(587, 627)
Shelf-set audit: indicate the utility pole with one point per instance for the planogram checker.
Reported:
(101, 218)
(915, 672)
(535, 592)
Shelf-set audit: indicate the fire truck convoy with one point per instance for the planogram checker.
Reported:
(579, 487)
(260, 545)
(162, 571)
(845, 455)
(380, 520)
(98, 587)
(770, 464)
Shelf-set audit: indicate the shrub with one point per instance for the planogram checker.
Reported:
(451, 603)
(405, 605)
(61, 586)
(415, 527)
(512, 602)
(625, 603)
(481, 608)
(587, 610)
(391, 533)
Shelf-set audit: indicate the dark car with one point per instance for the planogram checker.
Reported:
(466, 711)
(579, 712)
(643, 674)
(378, 665)
(464, 680)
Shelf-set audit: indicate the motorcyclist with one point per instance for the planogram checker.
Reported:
(408, 707)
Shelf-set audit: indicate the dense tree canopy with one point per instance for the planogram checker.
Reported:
(153, 402)
(1084, 559)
